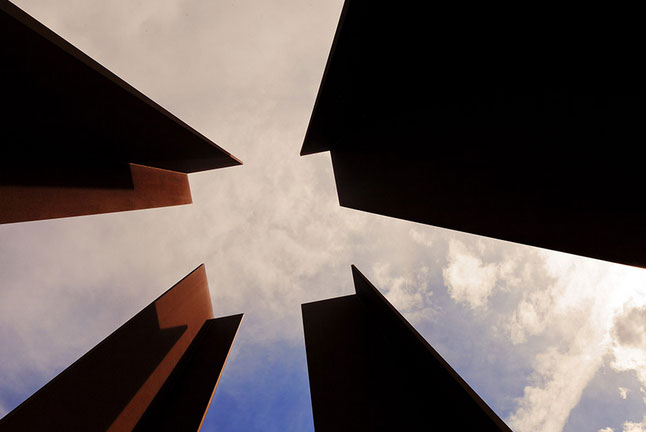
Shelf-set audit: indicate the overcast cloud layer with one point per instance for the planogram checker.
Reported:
(551, 341)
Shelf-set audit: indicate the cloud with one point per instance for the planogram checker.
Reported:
(623, 392)
(629, 342)
(410, 293)
(468, 279)
(629, 426)
(630, 328)
(421, 237)
(569, 314)
(635, 427)
(575, 314)
(556, 386)
(530, 316)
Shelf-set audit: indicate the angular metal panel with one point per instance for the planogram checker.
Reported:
(111, 386)
(370, 370)
(150, 188)
(59, 104)
(523, 129)
(183, 401)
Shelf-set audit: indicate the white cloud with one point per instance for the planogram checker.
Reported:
(468, 279)
(568, 306)
(556, 386)
(577, 310)
(530, 316)
(623, 392)
(409, 293)
(608, 429)
(629, 341)
(421, 237)
(635, 427)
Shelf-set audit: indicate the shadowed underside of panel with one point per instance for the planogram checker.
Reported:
(466, 119)
(72, 131)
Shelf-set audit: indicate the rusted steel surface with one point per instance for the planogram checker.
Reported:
(151, 187)
(183, 401)
(111, 386)
(370, 370)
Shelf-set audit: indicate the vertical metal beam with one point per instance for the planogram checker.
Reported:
(111, 386)
(370, 370)
(183, 401)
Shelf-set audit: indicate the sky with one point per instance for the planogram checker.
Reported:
(551, 341)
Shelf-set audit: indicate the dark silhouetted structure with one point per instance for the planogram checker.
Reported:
(370, 370)
(156, 372)
(77, 140)
(522, 124)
